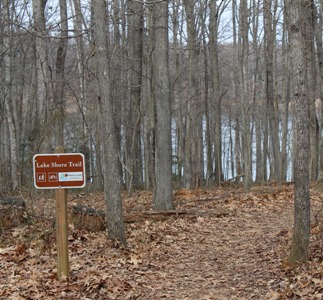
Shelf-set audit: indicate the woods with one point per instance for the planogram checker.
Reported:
(229, 86)
(162, 95)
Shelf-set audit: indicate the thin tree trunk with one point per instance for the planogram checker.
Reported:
(135, 54)
(272, 118)
(116, 230)
(243, 77)
(301, 233)
(42, 69)
(163, 196)
(311, 82)
(8, 98)
(60, 74)
(319, 46)
(285, 101)
(214, 14)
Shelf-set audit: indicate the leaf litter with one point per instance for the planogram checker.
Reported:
(219, 244)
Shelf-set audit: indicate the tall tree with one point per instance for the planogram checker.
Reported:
(149, 102)
(216, 95)
(310, 61)
(244, 91)
(191, 126)
(133, 113)
(10, 107)
(269, 85)
(319, 46)
(42, 71)
(163, 194)
(235, 75)
(301, 234)
(60, 74)
(116, 230)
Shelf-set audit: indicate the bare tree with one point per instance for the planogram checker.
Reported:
(216, 94)
(60, 74)
(42, 71)
(269, 84)
(163, 195)
(299, 251)
(133, 112)
(9, 106)
(244, 90)
(319, 46)
(116, 230)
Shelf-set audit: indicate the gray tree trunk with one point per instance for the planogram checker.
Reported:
(285, 101)
(319, 46)
(42, 70)
(135, 55)
(116, 230)
(10, 108)
(163, 196)
(311, 86)
(216, 95)
(60, 75)
(243, 88)
(269, 82)
(301, 234)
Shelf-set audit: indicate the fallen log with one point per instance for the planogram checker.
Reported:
(12, 212)
(135, 216)
(88, 218)
(235, 177)
(13, 201)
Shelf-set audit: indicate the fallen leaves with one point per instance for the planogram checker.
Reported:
(218, 244)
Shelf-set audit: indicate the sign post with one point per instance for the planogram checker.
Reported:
(61, 229)
(60, 171)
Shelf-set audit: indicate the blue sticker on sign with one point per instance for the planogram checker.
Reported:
(70, 176)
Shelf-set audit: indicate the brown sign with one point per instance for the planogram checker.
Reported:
(62, 170)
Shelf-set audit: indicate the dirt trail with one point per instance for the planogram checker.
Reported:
(225, 244)
(232, 257)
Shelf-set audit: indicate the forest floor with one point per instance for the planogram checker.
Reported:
(220, 244)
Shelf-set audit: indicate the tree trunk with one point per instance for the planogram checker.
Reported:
(116, 230)
(60, 75)
(319, 46)
(301, 234)
(42, 69)
(9, 100)
(243, 77)
(150, 105)
(214, 14)
(269, 81)
(311, 86)
(163, 196)
(285, 101)
(135, 54)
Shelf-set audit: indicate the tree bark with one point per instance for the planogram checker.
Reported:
(116, 230)
(301, 233)
(243, 88)
(319, 46)
(60, 75)
(163, 195)
(42, 70)
(216, 95)
(269, 83)
(133, 125)
(9, 104)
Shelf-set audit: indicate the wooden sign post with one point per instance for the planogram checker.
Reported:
(60, 171)
(61, 229)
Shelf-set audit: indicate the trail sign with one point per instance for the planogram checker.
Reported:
(61, 170)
